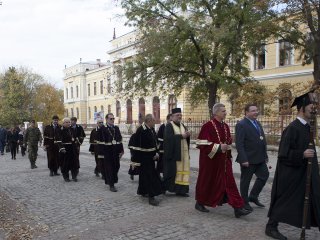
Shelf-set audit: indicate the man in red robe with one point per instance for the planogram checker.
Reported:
(216, 184)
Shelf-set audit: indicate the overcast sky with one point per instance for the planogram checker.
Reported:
(46, 35)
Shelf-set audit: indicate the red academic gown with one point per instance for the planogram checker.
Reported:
(216, 184)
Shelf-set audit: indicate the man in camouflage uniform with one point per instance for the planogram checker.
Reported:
(32, 137)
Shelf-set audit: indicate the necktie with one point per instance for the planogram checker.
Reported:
(257, 127)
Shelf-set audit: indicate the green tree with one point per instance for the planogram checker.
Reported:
(299, 24)
(23, 91)
(196, 45)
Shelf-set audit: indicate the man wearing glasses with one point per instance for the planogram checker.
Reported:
(109, 141)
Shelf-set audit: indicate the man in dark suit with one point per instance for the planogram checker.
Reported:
(252, 155)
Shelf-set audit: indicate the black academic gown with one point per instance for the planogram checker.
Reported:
(172, 154)
(145, 148)
(110, 146)
(69, 159)
(134, 168)
(288, 189)
(94, 150)
(52, 139)
(160, 135)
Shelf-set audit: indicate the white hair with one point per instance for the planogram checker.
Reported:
(66, 119)
(216, 108)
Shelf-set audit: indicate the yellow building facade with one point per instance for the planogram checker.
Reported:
(89, 87)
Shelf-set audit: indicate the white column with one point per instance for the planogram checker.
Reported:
(40, 126)
(26, 125)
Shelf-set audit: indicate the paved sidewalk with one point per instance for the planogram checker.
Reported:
(87, 210)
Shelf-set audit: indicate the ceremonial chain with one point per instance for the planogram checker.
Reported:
(225, 131)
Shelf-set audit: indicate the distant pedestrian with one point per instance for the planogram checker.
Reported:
(21, 137)
(145, 151)
(52, 143)
(176, 159)
(17, 130)
(216, 184)
(110, 146)
(3, 139)
(160, 137)
(252, 156)
(289, 183)
(94, 149)
(32, 138)
(69, 152)
(12, 141)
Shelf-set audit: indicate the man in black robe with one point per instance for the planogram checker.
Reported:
(68, 151)
(176, 159)
(145, 151)
(110, 146)
(78, 135)
(51, 142)
(289, 185)
(94, 149)
(160, 135)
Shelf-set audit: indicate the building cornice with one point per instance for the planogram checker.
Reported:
(284, 75)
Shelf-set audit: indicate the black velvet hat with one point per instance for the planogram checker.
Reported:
(176, 110)
(302, 100)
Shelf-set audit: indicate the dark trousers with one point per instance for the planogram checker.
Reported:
(262, 174)
(13, 149)
(111, 166)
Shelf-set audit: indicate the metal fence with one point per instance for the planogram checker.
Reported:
(272, 126)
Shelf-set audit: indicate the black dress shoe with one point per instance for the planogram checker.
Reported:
(74, 179)
(67, 179)
(238, 212)
(274, 233)
(200, 207)
(97, 174)
(35, 166)
(153, 201)
(56, 174)
(256, 202)
(248, 207)
(51, 174)
(113, 189)
(132, 177)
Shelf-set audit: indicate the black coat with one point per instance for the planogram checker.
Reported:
(249, 146)
(288, 189)
(144, 149)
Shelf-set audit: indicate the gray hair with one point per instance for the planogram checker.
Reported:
(66, 119)
(148, 118)
(216, 108)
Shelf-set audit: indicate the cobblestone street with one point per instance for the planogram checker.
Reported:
(88, 210)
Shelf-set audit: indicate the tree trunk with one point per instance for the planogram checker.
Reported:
(316, 63)
(212, 88)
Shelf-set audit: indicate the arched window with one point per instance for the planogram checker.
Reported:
(156, 109)
(118, 109)
(142, 107)
(77, 112)
(129, 111)
(67, 113)
(172, 103)
(109, 108)
(89, 113)
(285, 98)
(95, 108)
(71, 112)
(101, 108)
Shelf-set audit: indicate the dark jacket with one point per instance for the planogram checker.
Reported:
(251, 146)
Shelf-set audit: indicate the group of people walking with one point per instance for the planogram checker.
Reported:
(11, 140)
(162, 161)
